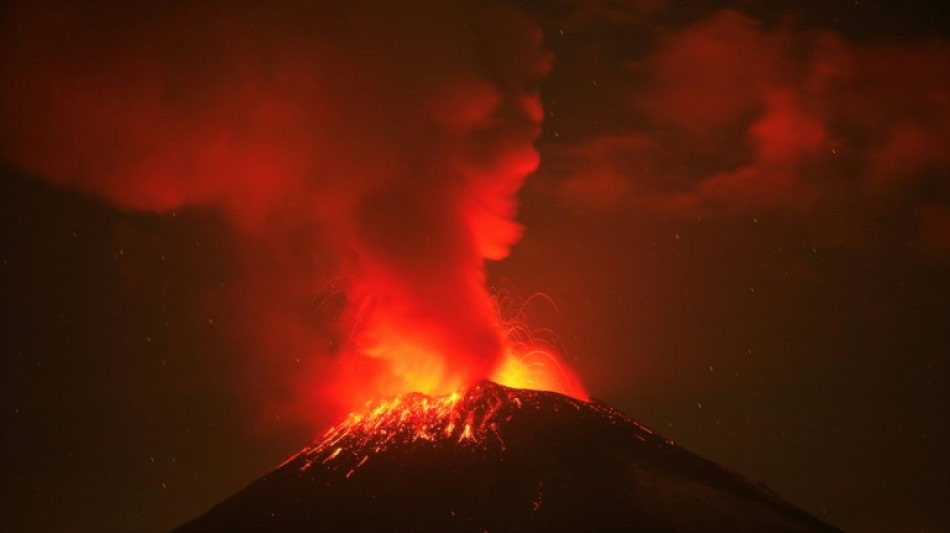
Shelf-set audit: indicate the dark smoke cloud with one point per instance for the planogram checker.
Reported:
(732, 115)
(396, 132)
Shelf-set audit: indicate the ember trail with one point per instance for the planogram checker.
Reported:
(473, 418)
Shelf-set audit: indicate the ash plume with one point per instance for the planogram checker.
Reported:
(399, 132)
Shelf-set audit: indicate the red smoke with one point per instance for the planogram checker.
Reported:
(401, 130)
(732, 115)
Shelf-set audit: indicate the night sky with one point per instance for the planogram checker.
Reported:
(741, 220)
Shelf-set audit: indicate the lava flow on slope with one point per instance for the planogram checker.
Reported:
(499, 459)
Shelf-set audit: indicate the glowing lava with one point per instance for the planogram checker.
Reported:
(538, 367)
(469, 418)
(529, 362)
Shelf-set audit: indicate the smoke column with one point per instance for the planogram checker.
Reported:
(402, 130)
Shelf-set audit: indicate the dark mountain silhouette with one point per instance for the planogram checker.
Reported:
(499, 459)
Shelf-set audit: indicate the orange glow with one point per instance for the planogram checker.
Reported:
(538, 368)
(530, 362)
(394, 352)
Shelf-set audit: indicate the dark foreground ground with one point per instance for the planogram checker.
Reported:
(500, 459)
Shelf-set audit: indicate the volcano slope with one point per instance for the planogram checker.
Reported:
(499, 459)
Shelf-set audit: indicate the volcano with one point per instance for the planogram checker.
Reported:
(499, 459)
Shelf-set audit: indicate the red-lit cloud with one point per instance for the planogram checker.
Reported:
(730, 115)
(392, 135)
